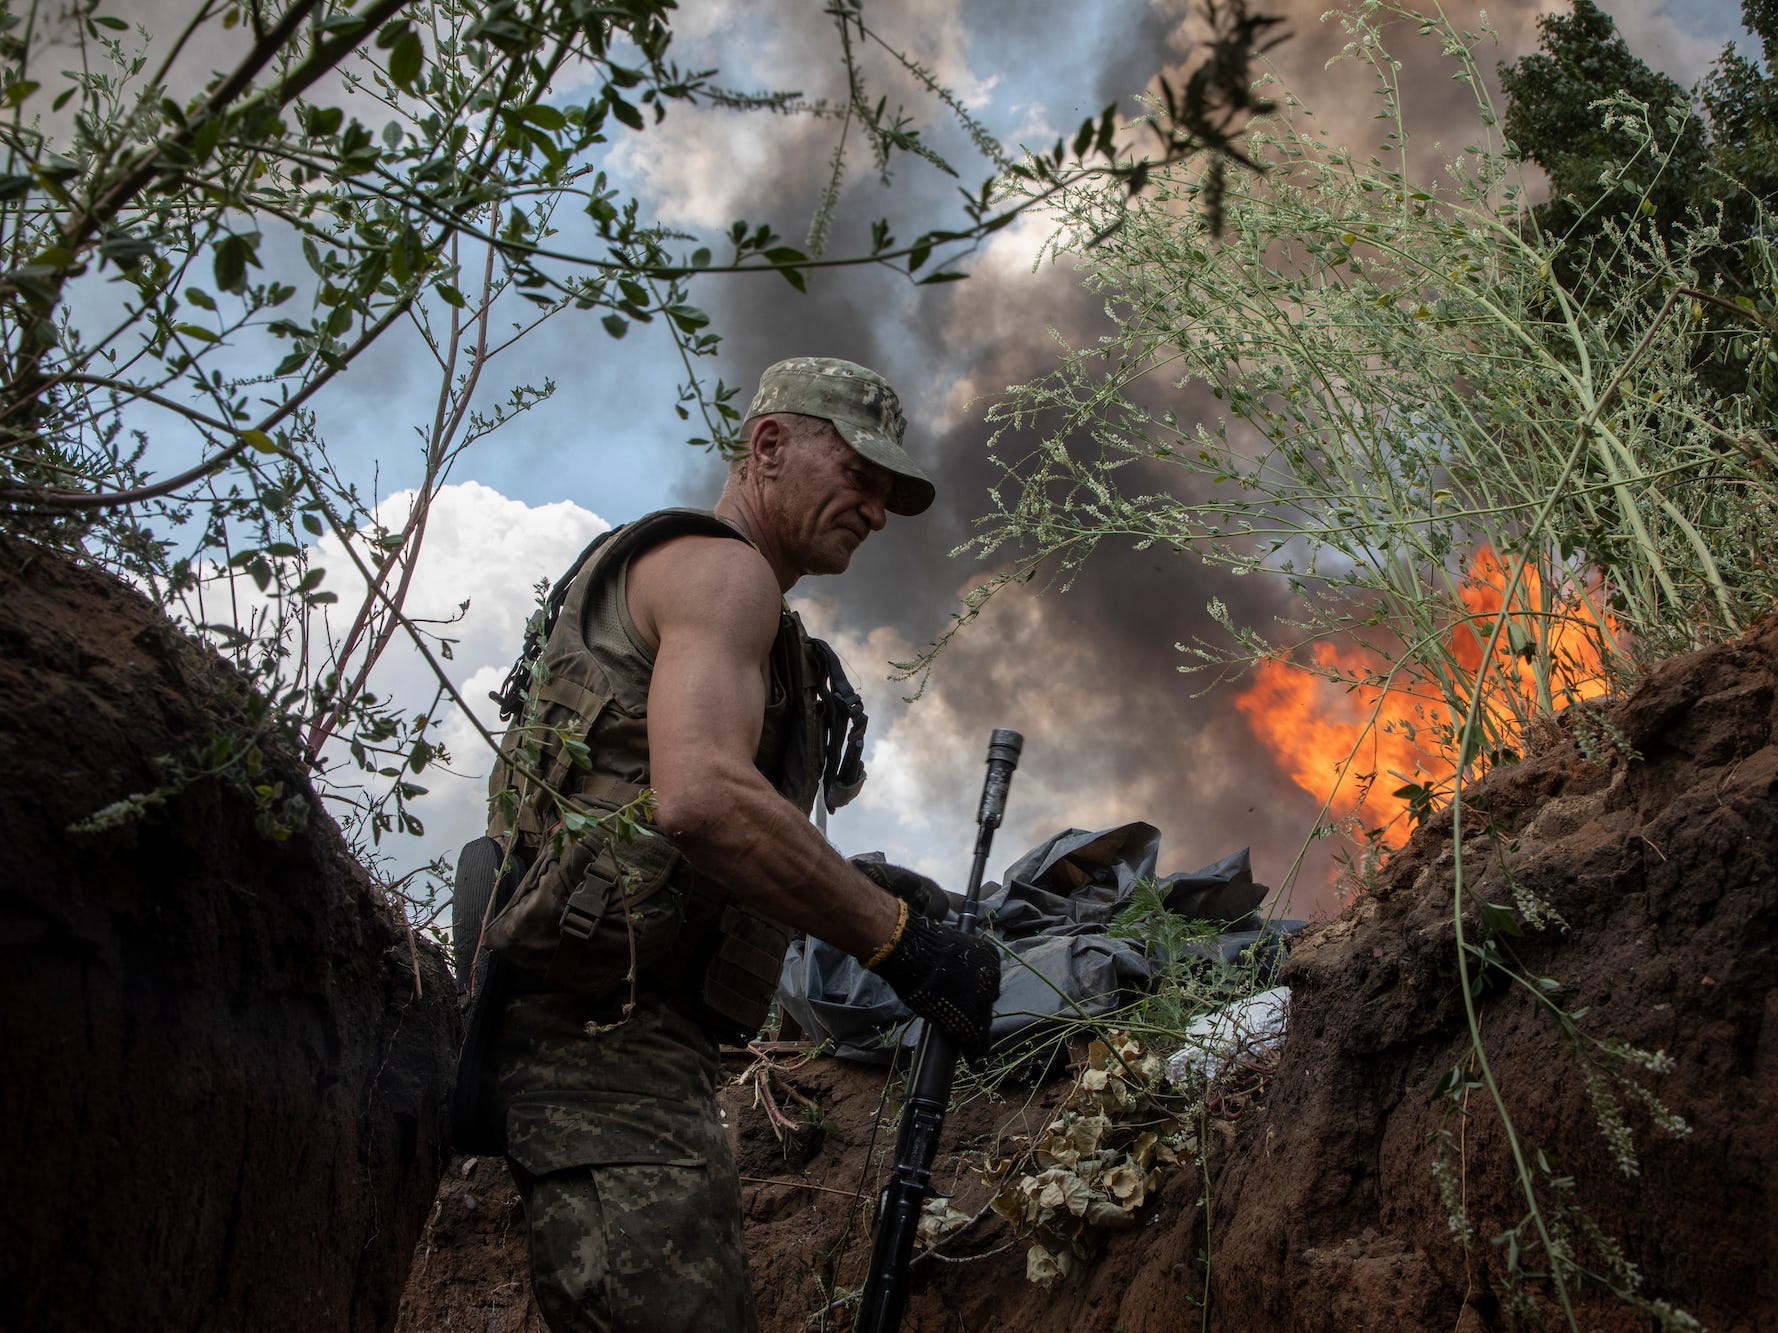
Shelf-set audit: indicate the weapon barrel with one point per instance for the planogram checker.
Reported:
(929, 1088)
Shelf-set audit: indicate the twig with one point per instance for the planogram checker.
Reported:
(763, 1094)
(962, 1258)
(801, 1099)
(804, 1185)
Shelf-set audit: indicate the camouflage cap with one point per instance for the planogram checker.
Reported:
(861, 406)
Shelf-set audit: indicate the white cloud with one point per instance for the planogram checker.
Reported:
(489, 551)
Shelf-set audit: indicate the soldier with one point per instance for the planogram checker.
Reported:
(675, 662)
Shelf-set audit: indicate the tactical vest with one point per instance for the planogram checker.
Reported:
(596, 908)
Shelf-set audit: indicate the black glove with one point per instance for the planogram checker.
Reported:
(913, 888)
(947, 978)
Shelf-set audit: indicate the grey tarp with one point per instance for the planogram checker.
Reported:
(1052, 912)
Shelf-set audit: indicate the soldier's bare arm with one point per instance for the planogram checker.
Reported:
(711, 608)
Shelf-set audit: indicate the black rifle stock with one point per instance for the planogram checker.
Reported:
(928, 1090)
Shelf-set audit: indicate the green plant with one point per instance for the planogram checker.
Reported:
(1573, 1248)
(1376, 388)
(1481, 455)
(1190, 977)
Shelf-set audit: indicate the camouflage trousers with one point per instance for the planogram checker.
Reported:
(630, 1191)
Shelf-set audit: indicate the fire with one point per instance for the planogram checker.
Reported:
(1574, 635)
(1331, 736)
(1356, 744)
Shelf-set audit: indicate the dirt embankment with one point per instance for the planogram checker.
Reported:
(224, 1097)
(1660, 853)
(1661, 856)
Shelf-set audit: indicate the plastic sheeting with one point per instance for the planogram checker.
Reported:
(1052, 910)
(1247, 1029)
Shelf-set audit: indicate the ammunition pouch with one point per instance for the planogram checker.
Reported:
(595, 912)
(486, 879)
(740, 979)
(587, 919)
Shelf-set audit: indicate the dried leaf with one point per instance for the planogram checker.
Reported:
(1084, 1135)
(1109, 1216)
(1064, 1189)
(1044, 1267)
(937, 1221)
(1015, 1206)
(1127, 1184)
(991, 1172)
(1143, 1150)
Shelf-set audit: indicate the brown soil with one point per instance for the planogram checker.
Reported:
(1661, 854)
(224, 1097)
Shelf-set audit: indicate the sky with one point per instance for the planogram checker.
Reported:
(1090, 676)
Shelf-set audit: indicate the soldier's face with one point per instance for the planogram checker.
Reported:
(834, 498)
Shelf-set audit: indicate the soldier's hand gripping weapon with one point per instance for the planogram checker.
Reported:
(928, 1089)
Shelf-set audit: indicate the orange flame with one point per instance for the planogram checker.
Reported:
(1330, 730)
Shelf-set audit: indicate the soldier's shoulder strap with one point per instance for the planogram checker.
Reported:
(650, 530)
(614, 544)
